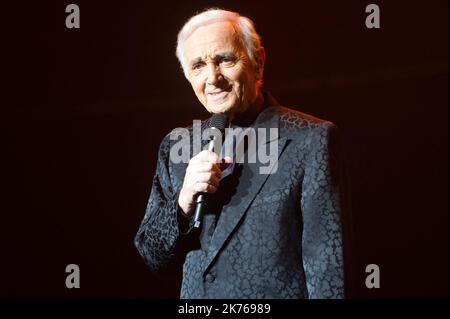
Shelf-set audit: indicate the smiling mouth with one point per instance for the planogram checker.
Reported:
(217, 95)
(217, 91)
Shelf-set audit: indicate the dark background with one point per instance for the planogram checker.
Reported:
(88, 108)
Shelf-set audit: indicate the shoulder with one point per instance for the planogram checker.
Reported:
(296, 122)
(290, 119)
(309, 134)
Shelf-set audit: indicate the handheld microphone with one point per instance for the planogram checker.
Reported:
(217, 122)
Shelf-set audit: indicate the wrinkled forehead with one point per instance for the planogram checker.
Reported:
(211, 37)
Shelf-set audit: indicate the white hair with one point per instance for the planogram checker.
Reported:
(250, 40)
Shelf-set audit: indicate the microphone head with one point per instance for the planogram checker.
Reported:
(218, 121)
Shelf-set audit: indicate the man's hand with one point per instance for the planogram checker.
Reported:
(202, 176)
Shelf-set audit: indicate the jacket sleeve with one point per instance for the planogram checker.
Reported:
(322, 242)
(160, 230)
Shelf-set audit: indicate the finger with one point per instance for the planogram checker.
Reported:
(208, 156)
(206, 167)
(199, 157)
(205, 188)
(209, 177)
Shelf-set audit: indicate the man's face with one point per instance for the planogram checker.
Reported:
(219, 70)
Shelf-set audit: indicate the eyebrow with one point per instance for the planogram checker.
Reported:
(221, 55)
(229, 55)
(195, 61)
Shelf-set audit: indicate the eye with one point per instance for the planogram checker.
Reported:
(197, 66)
(228, 60)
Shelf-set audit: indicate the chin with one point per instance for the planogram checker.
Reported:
(225, 108)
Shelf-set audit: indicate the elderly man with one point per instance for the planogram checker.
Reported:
(274, 235)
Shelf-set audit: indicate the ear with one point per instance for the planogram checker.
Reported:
(260, 60)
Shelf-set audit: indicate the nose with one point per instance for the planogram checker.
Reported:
(213, 74)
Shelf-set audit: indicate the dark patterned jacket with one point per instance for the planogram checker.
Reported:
(264, 235)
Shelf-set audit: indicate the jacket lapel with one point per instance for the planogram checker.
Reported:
(250, 182)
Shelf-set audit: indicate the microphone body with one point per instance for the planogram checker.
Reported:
(218, 122)
(201, 199)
